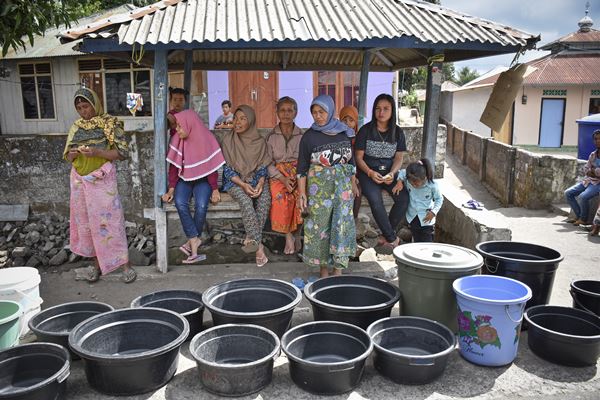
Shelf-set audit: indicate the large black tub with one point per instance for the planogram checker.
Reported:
(187, 303)
(586, 296)
(269, 303)
(357, 300)
(529, 263)
(411, 350)
(54, 324)
(234, 359)
(130, 351)
(564, 335)
(34, 371)
(326, 357)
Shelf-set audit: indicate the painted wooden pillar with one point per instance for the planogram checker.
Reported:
(161, 99)
(187, 76)
(432, 111)
(362, 89)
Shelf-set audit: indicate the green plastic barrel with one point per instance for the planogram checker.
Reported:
(426, 272)
(10, 313)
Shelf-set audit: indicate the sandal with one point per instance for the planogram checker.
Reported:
(93, 275)
(250, 246)
(129, 275)
(261, 261)
(194, 259)
(185, 249)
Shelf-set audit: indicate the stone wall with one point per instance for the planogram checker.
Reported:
(516, 177)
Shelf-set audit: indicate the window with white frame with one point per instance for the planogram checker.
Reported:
(112, 80)
(36, 90)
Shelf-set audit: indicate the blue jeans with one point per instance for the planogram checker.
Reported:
(201, 191)
(584, 195)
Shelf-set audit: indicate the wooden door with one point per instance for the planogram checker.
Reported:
(258, 89)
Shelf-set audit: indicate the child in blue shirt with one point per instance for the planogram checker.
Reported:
(425, 198)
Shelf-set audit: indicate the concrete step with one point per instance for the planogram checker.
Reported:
(561, 209)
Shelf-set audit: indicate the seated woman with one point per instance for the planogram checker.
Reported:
(326, 183)
(195, 156)
(244, 176)
(349, 116)
(379, 150)
(283, 144)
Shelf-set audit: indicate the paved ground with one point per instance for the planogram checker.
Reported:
(528, 377)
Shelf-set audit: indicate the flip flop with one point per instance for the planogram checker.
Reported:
(250, 247)
(298, 282)
(473, 205)
(185, 250)
(261, 261)
(93, 275)
(194, 259)
(129, 276)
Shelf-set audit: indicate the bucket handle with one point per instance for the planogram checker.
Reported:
(38, 300)
(506, 307)
(341, 369)
(63, 375)
(491, 270)
(578, 303)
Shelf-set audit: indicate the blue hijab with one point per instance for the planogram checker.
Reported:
(333, 126)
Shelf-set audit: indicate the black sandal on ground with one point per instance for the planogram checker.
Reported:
(129, 275)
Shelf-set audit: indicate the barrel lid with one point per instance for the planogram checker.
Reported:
(590, 119)
(438, 257)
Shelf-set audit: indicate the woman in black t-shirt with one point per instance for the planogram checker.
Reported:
(379, 150)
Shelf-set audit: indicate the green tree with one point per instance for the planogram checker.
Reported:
(23, 19)
(466, 74)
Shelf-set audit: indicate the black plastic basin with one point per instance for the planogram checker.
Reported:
(54, 324)
(187, 303)
(326, 357)
(130, 351)
(235, 360)
(34, 371)
(269, 303)
(357, 300)
(586, 295)
(564, 335)
(411, 350)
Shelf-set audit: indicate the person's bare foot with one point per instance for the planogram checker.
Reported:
(595, 230)
(324, 272)
(261, 257)
(289, 244)
(579, 222)
(194, 244)
(297, 244)
(337, 272)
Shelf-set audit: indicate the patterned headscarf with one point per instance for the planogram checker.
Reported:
(332, 126)
(103, 121)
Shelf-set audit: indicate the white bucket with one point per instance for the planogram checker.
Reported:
(22, 284)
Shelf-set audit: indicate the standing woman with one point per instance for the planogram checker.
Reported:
(196, 157)
(326, 184)
(283, 144)
(97, 224)
(349, 116)
(244, 177)
(379, 150)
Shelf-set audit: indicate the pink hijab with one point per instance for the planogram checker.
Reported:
(199, 154)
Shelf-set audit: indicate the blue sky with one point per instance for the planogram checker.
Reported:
(550, 18)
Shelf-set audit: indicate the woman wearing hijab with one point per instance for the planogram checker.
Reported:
(97, 223)
(194, 151)
(326, 184)
(349, 116)
(283, 144)
(380, 146)
(244, 177)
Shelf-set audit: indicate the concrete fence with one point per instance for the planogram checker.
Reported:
(515, 176)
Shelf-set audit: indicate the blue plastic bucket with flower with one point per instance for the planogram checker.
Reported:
(490, 312)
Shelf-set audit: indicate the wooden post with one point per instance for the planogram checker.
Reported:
(160, 167)
(362, 90)
(432, 110)
(187, 76)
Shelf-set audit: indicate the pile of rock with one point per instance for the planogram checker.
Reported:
(43, 241)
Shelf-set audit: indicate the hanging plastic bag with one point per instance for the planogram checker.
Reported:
(135, 102)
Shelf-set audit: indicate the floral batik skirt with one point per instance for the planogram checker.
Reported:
(329, 231)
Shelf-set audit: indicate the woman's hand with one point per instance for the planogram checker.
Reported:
(429, 216)
(375, 177)
(182, 134)
(302, 202)
(248, 189)
(90, 151)
(355, 187)
(387, 179)
(398, 187)
(215, 196)
(259, 187)
(289, 182)
(168, 197)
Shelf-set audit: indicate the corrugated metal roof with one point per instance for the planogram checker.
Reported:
(591, 36)
(203, 21)
(572, 69)
(49, 45)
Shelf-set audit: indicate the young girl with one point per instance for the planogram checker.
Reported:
(425, 198)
